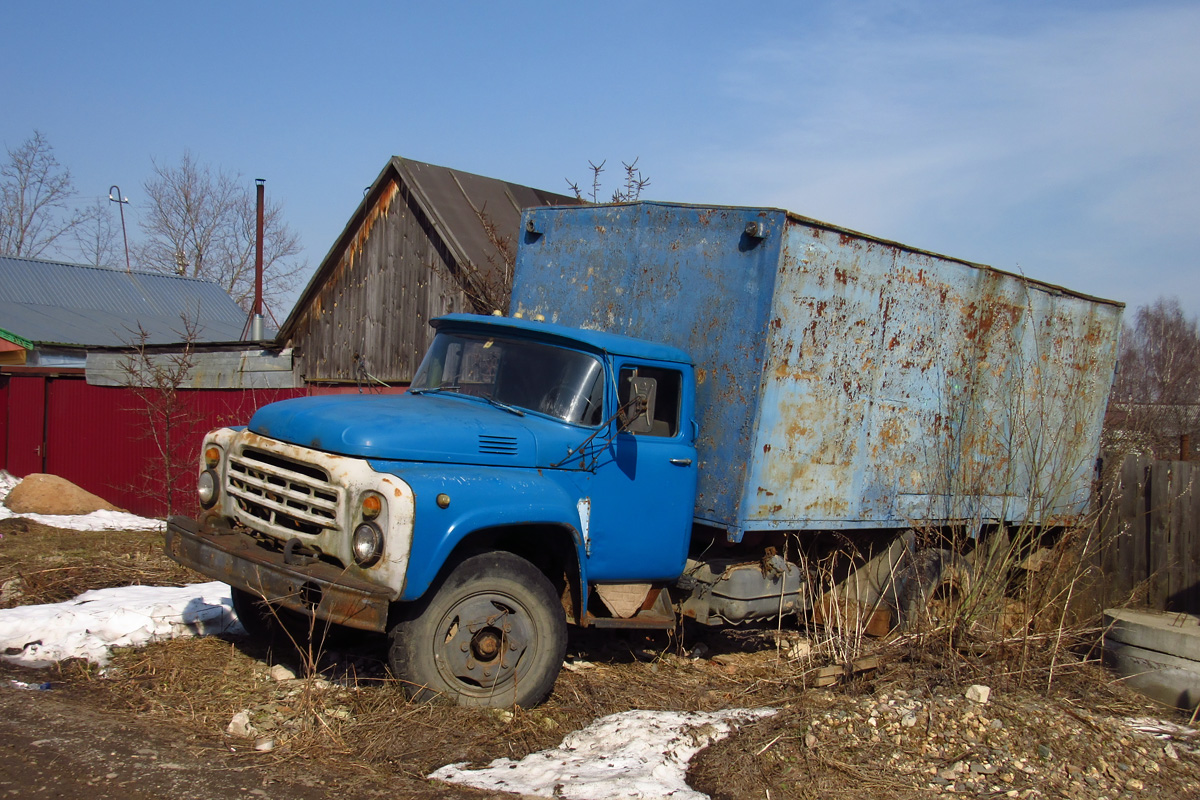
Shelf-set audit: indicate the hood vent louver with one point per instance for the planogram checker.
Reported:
(497, 445)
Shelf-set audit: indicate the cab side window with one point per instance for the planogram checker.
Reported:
(669, 385)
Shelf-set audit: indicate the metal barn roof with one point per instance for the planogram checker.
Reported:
(52, 302)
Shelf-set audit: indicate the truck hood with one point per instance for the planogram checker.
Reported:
(403, 428)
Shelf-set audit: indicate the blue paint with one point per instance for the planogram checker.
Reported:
(636, 491)
(843, 381)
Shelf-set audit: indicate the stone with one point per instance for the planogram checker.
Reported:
(978, 693)
(10, 591)
(281, 673)
(40, 493)
(240, 726)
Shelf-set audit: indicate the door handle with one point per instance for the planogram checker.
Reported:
(681, 462)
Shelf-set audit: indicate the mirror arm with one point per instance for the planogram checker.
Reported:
(620, 412)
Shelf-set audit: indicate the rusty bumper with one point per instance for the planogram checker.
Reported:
(213, 548)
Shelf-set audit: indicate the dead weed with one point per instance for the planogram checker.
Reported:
(41, 564)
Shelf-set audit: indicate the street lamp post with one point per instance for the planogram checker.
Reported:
(121, 202)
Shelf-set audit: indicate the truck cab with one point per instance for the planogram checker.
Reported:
(533, 475)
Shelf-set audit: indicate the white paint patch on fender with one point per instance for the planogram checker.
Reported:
(585, 519)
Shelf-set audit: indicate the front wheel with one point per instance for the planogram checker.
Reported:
(491, 634)
(278, 628)
(264, 622)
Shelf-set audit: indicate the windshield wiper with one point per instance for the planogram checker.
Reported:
(435, 389)
(450, 387)
(505, 406)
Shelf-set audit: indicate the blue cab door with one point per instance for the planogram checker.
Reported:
(639, 499)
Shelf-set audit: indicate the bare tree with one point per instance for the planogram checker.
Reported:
(34, 190)
(488, 288)
(200, 222)
(631, 191)
(97, 239)
(1156, 394)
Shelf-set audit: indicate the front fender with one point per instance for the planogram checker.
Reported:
(479, 498)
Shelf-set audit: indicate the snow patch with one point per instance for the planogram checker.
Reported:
(93, 623)
(633, 754)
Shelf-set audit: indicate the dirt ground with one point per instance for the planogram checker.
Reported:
(156, 723)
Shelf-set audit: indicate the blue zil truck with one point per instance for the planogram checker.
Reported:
(687, 408)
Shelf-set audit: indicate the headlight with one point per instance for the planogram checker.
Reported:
(367, 544)
(206, 486)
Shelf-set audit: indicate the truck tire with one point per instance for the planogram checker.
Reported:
(492, 633)
(272, 625)
(928, 579)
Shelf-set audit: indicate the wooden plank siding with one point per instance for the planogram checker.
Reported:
(375, 307)
(424, 241)
(1151, 535)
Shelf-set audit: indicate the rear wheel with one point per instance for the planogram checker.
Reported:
(929, 588)
(491, 634)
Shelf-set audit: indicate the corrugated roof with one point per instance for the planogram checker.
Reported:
(52, 302)
(460, 201)
(456, 202)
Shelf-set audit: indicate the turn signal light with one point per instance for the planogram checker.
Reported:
(371, 506)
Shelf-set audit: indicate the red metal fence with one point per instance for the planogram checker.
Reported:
(97, 436)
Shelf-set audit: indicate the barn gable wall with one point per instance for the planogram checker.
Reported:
(392, 278)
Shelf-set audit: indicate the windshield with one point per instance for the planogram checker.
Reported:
(513, 372)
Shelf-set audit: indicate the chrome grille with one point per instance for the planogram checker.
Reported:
(283, 492)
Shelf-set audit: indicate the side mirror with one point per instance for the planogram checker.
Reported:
(640, 416)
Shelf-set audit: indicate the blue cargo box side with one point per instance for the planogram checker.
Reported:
(842, 381)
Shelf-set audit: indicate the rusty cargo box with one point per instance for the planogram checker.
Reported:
(844, 381)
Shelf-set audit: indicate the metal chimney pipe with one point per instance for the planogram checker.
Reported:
(256, 324)
(260, 184)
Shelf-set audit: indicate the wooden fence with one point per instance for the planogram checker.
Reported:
(1150, 524)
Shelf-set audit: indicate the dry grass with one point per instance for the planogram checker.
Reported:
(356, 722)
(351, 724)
(41, 564)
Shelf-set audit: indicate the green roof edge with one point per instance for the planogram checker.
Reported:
(12, 337)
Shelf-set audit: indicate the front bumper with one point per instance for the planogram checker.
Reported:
(213, 548)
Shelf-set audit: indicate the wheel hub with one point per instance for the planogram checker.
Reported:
(485, 639)
(486, 644)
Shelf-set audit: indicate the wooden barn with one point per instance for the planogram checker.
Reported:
(425, 241)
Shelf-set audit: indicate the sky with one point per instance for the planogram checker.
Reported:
(1055, 139)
